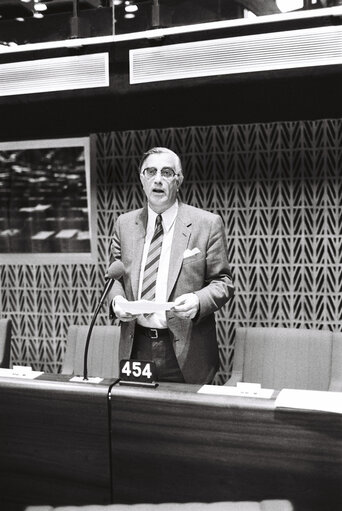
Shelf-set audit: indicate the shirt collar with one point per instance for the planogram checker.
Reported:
(168, 217)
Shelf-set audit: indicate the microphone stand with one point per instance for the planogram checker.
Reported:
(106, 290)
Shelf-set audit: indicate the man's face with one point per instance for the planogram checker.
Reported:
(161, 192)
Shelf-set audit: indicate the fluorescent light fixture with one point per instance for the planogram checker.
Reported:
(291, 49)
(289, 5)
(129, 15)
(38, 15)
(54, 74)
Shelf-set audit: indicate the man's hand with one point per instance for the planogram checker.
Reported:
(119, 309)
(186, 306)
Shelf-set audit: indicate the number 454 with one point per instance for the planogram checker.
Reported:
(137, 369)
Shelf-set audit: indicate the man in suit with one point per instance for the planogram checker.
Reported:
(186, 249)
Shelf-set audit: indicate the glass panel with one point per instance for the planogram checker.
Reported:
(45, 205)
(32, 21)
(139, 15)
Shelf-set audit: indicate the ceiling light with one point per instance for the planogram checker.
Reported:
(129, 16)
(20, 19)
(38, 15)
(289, 5)
(131, 8)
(39, 7)
(25, 1)
(118, 2)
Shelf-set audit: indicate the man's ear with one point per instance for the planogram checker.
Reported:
(180, 180)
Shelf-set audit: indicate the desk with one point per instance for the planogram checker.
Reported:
(171, 444)
(167, 444)
(54, 442)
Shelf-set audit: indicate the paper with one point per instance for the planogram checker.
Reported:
(42, 235)
(66, 233)
(145, 306)
(226, 390)
(310, 400)
(32, 209)
(23, 372)
(80, 379)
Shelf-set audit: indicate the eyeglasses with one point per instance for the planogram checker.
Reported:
(166, 172)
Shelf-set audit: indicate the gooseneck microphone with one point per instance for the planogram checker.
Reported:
(115, 272)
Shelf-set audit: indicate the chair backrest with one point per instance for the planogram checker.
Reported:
(284, 357)
(336, 363)
(103, 352)
(5, 342)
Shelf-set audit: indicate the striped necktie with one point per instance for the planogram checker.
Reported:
(148, 291)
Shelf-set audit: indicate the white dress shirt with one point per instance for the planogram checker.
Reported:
(158, 320)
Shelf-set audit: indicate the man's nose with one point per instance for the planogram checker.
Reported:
(158, 176)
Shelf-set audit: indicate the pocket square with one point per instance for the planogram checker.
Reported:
(189, 253)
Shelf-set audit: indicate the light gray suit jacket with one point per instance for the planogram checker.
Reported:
(205, 273)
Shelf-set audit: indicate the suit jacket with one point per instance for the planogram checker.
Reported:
(206, 272)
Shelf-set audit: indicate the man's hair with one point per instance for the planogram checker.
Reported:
(161, 150)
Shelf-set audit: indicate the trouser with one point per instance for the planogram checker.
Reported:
(155, 345)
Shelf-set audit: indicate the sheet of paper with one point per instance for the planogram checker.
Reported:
(80, 379)
(28, 375)
(223, 390)
(146, 307)
(66, 233)
(39, 207)
(310, 400)
(42, 235)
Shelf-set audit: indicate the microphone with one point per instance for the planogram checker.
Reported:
(115, 272)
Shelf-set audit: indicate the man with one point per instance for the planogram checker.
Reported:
(176, 253)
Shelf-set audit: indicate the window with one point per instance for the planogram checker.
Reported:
(46, 212)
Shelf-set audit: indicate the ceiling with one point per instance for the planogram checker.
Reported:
(11, 9)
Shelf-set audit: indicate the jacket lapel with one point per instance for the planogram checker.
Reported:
(180, 242)
(138, 236)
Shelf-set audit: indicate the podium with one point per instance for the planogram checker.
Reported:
(67, 443)
(172, 444)
(54, 443)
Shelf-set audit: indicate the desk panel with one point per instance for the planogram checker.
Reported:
(54, 443)
(171, 444)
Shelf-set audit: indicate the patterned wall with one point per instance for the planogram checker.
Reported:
(278, 188)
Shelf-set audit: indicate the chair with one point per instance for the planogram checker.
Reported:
(103, 354)
(288, 358)
(265, 505)
(5, 342)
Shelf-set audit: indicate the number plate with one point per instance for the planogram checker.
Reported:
(137, 372)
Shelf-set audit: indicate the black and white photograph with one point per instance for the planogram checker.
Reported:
(170, 255)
